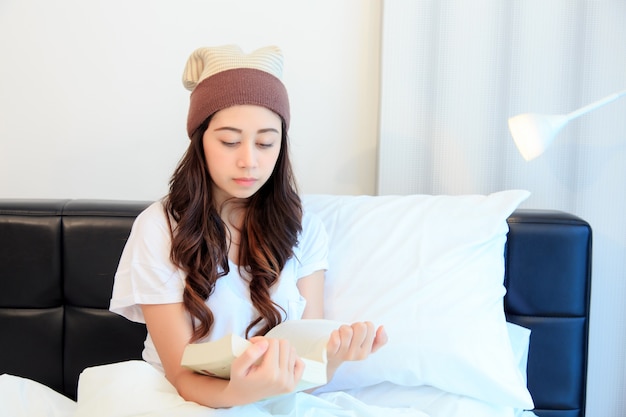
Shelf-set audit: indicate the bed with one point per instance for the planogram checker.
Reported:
(486, 305)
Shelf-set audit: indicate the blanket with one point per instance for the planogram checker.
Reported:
(134, 388)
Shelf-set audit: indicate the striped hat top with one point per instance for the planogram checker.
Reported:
(224, 76)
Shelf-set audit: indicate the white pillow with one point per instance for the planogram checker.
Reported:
(430, 269)
(520, 342)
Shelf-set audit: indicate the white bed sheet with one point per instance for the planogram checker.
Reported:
(134, 388)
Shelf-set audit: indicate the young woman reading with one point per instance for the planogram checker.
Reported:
(229, 249)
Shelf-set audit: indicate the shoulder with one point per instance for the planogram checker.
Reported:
(312, 223)
(313, 235)
(152, 219)
(150, 233)
(154, 213)
(311, 252)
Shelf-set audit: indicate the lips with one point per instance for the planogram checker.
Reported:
(245, 182)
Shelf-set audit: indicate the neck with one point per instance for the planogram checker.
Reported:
(232, 213)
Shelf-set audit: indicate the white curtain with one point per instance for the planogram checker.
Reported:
(454, 71)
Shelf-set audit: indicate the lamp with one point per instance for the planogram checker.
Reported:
(533, 133)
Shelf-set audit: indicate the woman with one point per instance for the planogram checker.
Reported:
(229, 250)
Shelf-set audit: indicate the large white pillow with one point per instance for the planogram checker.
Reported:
(430, 269)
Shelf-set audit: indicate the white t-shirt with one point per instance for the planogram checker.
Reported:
(146, 275)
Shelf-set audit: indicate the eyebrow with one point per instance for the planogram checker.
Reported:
(234, 129)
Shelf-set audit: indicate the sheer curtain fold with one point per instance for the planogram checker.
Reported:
(453, 72)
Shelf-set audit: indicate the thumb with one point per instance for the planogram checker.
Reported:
(251, 355)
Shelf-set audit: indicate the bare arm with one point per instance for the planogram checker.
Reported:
(278, 371)
(311, 288)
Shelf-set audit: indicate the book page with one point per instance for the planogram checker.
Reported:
(309, 337)
(214, 358)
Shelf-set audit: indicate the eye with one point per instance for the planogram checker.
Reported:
(229, 144)
(265, 145)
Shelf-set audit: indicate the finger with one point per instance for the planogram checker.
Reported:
(368, 342)
(285, 373)
(380, 340)
(345, 334)
(271, 359)
(362, 339)
(369, 335)
(296, 366)
(286, 355)
(359, 333)
(298, 369)
(255, 339)
(334, 343)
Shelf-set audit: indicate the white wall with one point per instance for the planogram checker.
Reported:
(92, 104)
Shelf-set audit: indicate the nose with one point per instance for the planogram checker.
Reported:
(247, 156)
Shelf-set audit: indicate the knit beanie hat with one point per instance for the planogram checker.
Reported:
(221, 77)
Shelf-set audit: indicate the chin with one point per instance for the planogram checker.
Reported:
(244, 195)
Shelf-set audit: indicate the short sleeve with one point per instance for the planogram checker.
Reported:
(312, 249)
(145, 274)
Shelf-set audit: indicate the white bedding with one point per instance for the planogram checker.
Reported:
(134, 388)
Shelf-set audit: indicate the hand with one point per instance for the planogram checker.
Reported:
(268, 367)
(352, 343)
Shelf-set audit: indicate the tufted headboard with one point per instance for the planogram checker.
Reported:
(548, 277)
(58, 259)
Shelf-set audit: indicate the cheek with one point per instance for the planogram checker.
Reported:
(276, 154)
(206, 151)
(207, 159)
(272, 160)
(213, 161)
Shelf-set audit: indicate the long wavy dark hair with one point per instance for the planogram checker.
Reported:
(200, 240)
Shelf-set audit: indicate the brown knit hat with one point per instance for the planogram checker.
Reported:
(220, 77)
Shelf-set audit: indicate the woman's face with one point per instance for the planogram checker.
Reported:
(241, 147)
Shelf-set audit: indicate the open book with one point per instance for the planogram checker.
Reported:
(308, 337)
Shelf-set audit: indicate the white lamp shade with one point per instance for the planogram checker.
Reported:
(533, 133)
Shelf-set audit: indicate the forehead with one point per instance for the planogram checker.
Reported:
(247, 116)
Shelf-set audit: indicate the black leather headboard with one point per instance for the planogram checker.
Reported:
(58, 259)
(548, 277)
(57, 262)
